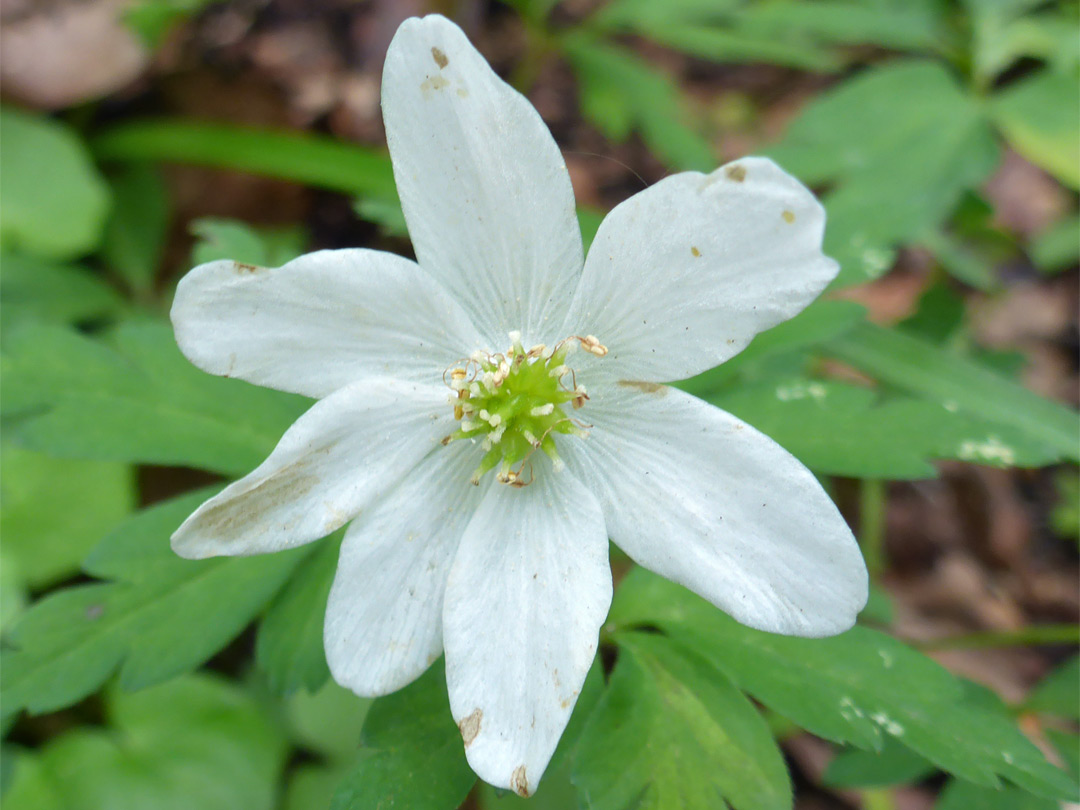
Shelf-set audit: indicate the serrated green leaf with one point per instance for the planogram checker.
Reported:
(53, 511)
(289, 647)
(620, 92)
(841, 429)
(911, 364)
(138, 225)
(894, 764)
(673, 733)
(898, 161)
(53, 202)
(34, 289)
(412, 757)
(1040, 117)
(854, 688)
(160, 615)
(1059, 692)
(195, 742)
(137, 400)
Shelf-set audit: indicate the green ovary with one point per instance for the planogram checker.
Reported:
(515, 403)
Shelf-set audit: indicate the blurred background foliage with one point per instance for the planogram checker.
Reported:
(932, 389)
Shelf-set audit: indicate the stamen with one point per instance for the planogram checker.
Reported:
(514, 404)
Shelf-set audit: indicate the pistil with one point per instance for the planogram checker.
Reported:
(513, 402)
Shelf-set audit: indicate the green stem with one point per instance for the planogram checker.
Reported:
(872, 502)
(1035, 636)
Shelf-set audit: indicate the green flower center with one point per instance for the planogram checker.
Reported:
(516, 403)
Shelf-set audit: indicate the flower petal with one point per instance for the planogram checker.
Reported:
(320, 322)
(707, 501)
(384, 616)
(682, 275)
(345, 451)
(485, 191)
(528, 591)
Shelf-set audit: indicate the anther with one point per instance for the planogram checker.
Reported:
(592, 345)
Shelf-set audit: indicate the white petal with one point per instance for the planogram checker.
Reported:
(384, 617)
(683, 274)
(485, 191)
(528, 591)
(698, 496)
(346, 450)
(320, 322)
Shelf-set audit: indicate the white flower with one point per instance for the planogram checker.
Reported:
(425, 393)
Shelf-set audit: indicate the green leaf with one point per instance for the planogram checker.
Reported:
(314, 160)
(894, 764)
(841, 429)
(898, 161)
(905, 25)
(53, 202)
(1058, 247)
(958, 384)
(311, 787)
(959, 795)
(34, 289)
(620, 93)
(289, 647)
(139, 400)
(1058, 693)
(52, 511)
(1040, 117)
(711, 29)
(153, 19)
(328, 722)
(195, 742)
(232, 239)
(411, 756)
(385, 212)
(31, 786)
(1004, 31)
(1067, 745)
(673, 732)
(158, 617)
(740, 44)
(821, 321)
(855, 688)
(136, 231)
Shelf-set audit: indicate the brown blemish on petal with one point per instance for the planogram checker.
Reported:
(645, 387)
(283, 486)
(789, 216)
(695, 251)
(736, 173)
(519, 783)
(470, 726)
(240, 267)
(433, 83)
(439, 57)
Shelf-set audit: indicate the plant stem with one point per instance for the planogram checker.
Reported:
(872, 524)
(1024, 637)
